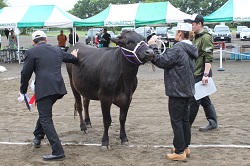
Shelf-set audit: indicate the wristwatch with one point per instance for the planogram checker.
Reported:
(205, 74)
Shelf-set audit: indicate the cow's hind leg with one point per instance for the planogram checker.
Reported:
(86, 111)
(78, 106)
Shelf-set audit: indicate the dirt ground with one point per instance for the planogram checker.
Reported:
(148, 125)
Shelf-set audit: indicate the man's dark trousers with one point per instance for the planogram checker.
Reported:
(45, 124)
(207, 106)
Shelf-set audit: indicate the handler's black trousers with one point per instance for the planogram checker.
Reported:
(179, 115)
(45, 124)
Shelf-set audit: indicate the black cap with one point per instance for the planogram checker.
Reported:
(195, 18)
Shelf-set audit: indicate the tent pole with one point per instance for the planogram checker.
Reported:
(18, 47)
(73, 35)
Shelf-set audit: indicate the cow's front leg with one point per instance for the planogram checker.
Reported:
(106, 105)
(123, 117)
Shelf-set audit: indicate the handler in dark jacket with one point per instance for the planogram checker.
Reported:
(178, 63)
(45, 61)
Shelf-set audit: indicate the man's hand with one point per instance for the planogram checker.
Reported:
(20, 97)
(74, 52)
(205, 80)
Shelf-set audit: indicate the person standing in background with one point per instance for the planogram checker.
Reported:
(106, 38)
(61, 38)
(13, 45)
(6, 32)
(203, 41)
(100, 39)
(96, 41)
(13, 40)
(71, 42)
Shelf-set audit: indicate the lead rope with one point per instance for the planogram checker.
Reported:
(159, 47)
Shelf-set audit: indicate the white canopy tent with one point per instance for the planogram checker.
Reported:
(139, 14)
(36, 16)
(231, 11)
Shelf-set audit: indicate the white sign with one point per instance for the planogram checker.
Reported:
(202, 90)
(119, 23)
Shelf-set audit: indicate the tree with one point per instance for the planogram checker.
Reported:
(87, 8)
(196, 6)
(2, 4)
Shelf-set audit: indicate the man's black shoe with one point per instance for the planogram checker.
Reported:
(208, 127)
(53, 157)
(37, 142)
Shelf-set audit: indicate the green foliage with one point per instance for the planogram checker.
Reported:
(2, 4)
(204, 8)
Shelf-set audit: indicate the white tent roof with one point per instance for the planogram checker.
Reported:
(136, 15)
(36, 16)
(231, 11)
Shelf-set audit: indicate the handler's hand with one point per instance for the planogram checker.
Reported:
(74, 52)
(153, 40)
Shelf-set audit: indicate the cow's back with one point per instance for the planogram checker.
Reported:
(96, 69)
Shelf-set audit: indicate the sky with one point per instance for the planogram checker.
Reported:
(64, 4)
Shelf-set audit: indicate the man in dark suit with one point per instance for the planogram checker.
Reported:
(45, 61)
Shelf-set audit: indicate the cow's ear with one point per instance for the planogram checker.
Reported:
(119, 42)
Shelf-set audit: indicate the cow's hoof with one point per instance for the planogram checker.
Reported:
(83, 127)
(125, 143)
(106, 147)
(88, 125)
(85, 131)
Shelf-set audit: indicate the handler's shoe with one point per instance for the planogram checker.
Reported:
(187, 151)
(208, 128)
(37, 142)
(53, 157)
(177, 157)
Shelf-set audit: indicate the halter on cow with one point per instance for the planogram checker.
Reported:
(108, 75)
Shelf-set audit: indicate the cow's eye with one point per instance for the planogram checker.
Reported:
(128, 42)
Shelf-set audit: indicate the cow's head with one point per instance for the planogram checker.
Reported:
(134, 47)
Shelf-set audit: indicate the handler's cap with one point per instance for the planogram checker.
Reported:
(38, 34)
(184, 27)
(195, 18)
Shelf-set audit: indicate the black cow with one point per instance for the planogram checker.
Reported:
(108, 75)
